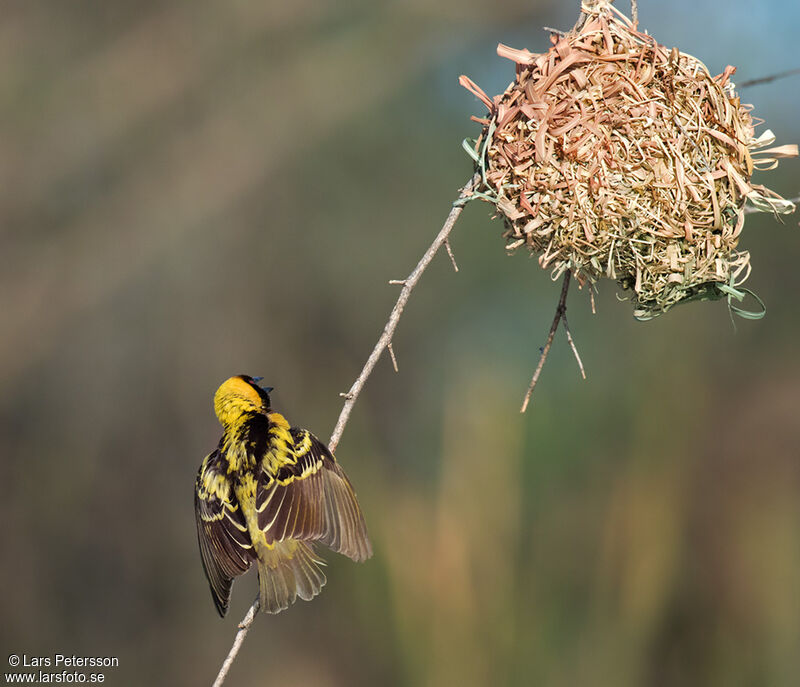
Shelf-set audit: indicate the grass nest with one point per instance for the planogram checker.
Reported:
(611, 155)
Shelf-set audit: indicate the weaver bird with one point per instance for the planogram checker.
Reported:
(265, 496)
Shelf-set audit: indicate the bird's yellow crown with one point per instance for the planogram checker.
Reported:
(236, 396)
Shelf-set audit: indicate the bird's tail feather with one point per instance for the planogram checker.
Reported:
(287, 571)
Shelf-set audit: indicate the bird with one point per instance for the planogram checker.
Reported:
(266, 496)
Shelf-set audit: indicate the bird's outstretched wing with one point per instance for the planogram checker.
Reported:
(224, 541)
(311, 499)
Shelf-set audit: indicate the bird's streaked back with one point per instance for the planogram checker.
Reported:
(266, 495)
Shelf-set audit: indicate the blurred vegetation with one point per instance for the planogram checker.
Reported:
(194, 189)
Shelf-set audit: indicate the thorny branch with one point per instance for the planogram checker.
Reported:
(408, 283)
(561, 314)
(384, 342)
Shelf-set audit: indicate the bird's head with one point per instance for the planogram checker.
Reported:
(239, 395)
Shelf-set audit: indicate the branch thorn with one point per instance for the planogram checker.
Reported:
(450, 253)
(391, 353)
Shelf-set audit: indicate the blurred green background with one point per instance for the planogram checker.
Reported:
(196, 189)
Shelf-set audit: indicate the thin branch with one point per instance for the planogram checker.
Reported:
(385, 341)
(560, 310)
(244, 627)
(767, 79)
(634, 13)
(572, 343)
(388, 331)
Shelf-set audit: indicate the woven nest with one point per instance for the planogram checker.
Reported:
(613, 156)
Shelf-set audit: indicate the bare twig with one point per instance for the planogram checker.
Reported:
(572, 343)
(634, 13)
(244, 627)
(560, 310)
(388, 331)
(767, 79)
(385, 341)
(558, 32)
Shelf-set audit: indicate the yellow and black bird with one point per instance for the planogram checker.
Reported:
(266, 495)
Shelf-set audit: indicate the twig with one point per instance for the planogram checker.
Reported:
(561, 309)
(572, 343)
(388, 331)
(558, 32)
(244, 627)
(634, 13)
(767, 79)
(385, 341)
